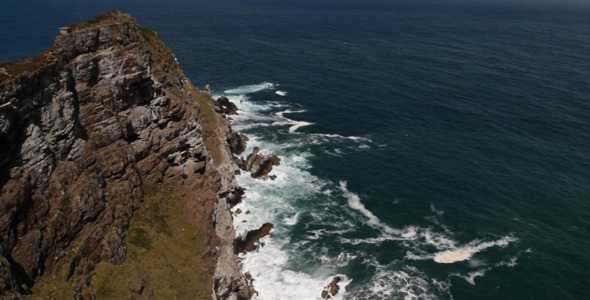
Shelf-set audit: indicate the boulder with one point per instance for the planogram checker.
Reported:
(258, 165)
(226, 107)
(237, 142)
(247, 242)
(331, 289)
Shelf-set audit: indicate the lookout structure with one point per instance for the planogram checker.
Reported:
(65, 30)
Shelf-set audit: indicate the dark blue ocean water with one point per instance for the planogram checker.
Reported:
(430, 149)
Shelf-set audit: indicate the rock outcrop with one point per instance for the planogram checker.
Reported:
(224, 106)
(83, 127)
(257, 164)
(237, 142)
(248, 241)
(331, 289)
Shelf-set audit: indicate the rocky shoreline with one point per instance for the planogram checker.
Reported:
(230, 282)
(92, 128)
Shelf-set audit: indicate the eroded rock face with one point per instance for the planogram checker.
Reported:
(331, 289)
(229, 282)
(237, 142)
(80, 134)
(249, 240)
(258, 165)
(224, 106)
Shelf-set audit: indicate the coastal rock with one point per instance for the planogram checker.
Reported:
(247, 242)
(226, 107)
(332, 288)
(258, 165)
(237, 142)
(228, 279)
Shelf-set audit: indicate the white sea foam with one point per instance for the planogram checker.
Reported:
(270, 201)
(273, 281)
(327, 136)
(398, 281)
(373, 240)
(476, 263)
(291, 220)
(354, 201)
(286, 121)
(434, 210)
(299, 267)
(336, 152)
(467, 251)
(315, 234)
(470, 277)
(449, 257)
(289, 111)
(249, 89)
(298, 125)
(250, 111)
(513, 261)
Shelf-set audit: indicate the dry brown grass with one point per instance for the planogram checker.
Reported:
(165, 256)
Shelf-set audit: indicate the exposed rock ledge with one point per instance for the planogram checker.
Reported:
(332, 288)
(85, 127)
(248, 241)
(259, 165)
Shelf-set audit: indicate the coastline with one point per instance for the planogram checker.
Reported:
(278, 271)
(230, 281)
(465, 164)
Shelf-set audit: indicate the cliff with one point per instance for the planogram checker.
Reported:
(116, 173)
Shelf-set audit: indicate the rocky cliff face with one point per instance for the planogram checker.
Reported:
(83, 128)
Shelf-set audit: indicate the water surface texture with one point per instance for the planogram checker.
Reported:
(429, 149)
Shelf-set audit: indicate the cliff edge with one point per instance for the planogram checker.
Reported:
(116, 173)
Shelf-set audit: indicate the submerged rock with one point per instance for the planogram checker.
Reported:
(331, 289)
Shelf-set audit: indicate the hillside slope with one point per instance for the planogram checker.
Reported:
(101, 132)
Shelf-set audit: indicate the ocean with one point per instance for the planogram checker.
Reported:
(429, 149)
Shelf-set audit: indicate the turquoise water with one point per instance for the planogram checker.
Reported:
(429, 149)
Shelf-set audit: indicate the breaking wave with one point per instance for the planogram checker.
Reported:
(323, 229)
(249, 89)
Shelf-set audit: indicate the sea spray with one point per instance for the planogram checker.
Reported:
(322, 228)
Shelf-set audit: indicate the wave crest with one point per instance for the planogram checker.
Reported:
(249, 89)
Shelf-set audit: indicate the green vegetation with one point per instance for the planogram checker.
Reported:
(163, 60)
(209, 123)
(28, 65)
(164, 257)
(55, 284)
(163, 254)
